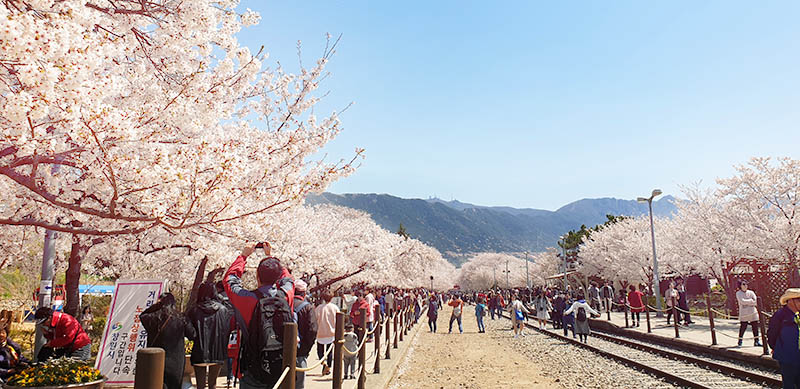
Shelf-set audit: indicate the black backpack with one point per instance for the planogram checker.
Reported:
(263, 350)
(581, 316)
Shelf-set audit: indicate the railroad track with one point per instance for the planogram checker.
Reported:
(692, 371)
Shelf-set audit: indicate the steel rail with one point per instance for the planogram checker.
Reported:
(673, 378)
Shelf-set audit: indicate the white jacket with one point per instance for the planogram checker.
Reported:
(748, 310)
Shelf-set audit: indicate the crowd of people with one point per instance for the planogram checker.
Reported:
(241, 329)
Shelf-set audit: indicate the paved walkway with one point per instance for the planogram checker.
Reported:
(727, 331)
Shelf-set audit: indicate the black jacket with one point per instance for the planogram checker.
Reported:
(306, 327)
(6, 363)
(211, 322)
(167, 328)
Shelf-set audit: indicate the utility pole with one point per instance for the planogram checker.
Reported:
(527, 274)
(46, 283)
(564, 257)
(494, 270)
(507, 283)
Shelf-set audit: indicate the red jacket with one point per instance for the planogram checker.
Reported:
(244, 300)
(635, 301)
(65, 331)
(355, 311)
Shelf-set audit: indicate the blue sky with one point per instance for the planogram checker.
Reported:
(537, 104)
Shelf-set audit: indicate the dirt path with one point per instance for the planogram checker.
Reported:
(468, 360)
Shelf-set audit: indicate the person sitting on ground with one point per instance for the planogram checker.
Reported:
(166, 328)
(783, 336)
(748, 312)
(262, 313)
(636, 305)
(65, 337)
(458, 309)
(11, 359)
(582, 311)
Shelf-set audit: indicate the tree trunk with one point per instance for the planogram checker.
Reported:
(73, 279)
(198, 279)
(337, 279)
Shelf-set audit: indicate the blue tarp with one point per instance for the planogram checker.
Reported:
(96, 289)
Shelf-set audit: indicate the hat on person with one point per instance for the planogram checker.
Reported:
(791, 293)
(300, 286)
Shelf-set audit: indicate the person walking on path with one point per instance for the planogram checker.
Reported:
(517, 311)
(166, 328)
(370, 299)
(501, 304)
(455, 315)
(748, 312)
(783, 336)
(637, 306)
(542, 306)
(683, 302)
(210, 320)
(326, 329)
(669, 295)
(480, 312)
(492, 304)
(355, 314)
(306, 330)
(433, 312)
(261, 314)
(582, 311)
(64, 335)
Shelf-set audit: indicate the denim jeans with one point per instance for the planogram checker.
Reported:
(453, 318)
(481, 328)
(300, 376)
(432, 323)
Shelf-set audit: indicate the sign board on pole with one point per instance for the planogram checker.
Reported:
(124, 335)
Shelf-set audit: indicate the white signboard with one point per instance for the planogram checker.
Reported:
(124, 335)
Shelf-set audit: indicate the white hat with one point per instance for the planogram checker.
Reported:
(791, 293)
(300, 286)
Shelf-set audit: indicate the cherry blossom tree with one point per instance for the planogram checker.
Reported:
(480, 271)
(123, 116)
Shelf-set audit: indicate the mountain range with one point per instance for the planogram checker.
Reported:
(458, 229)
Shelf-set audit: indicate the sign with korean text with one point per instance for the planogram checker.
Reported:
(124, 335)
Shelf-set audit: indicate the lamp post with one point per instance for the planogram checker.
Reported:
(508, 286)
(657, 286)
(431, 283)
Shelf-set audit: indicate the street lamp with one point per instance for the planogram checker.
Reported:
(431, 283)
(657, 286)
